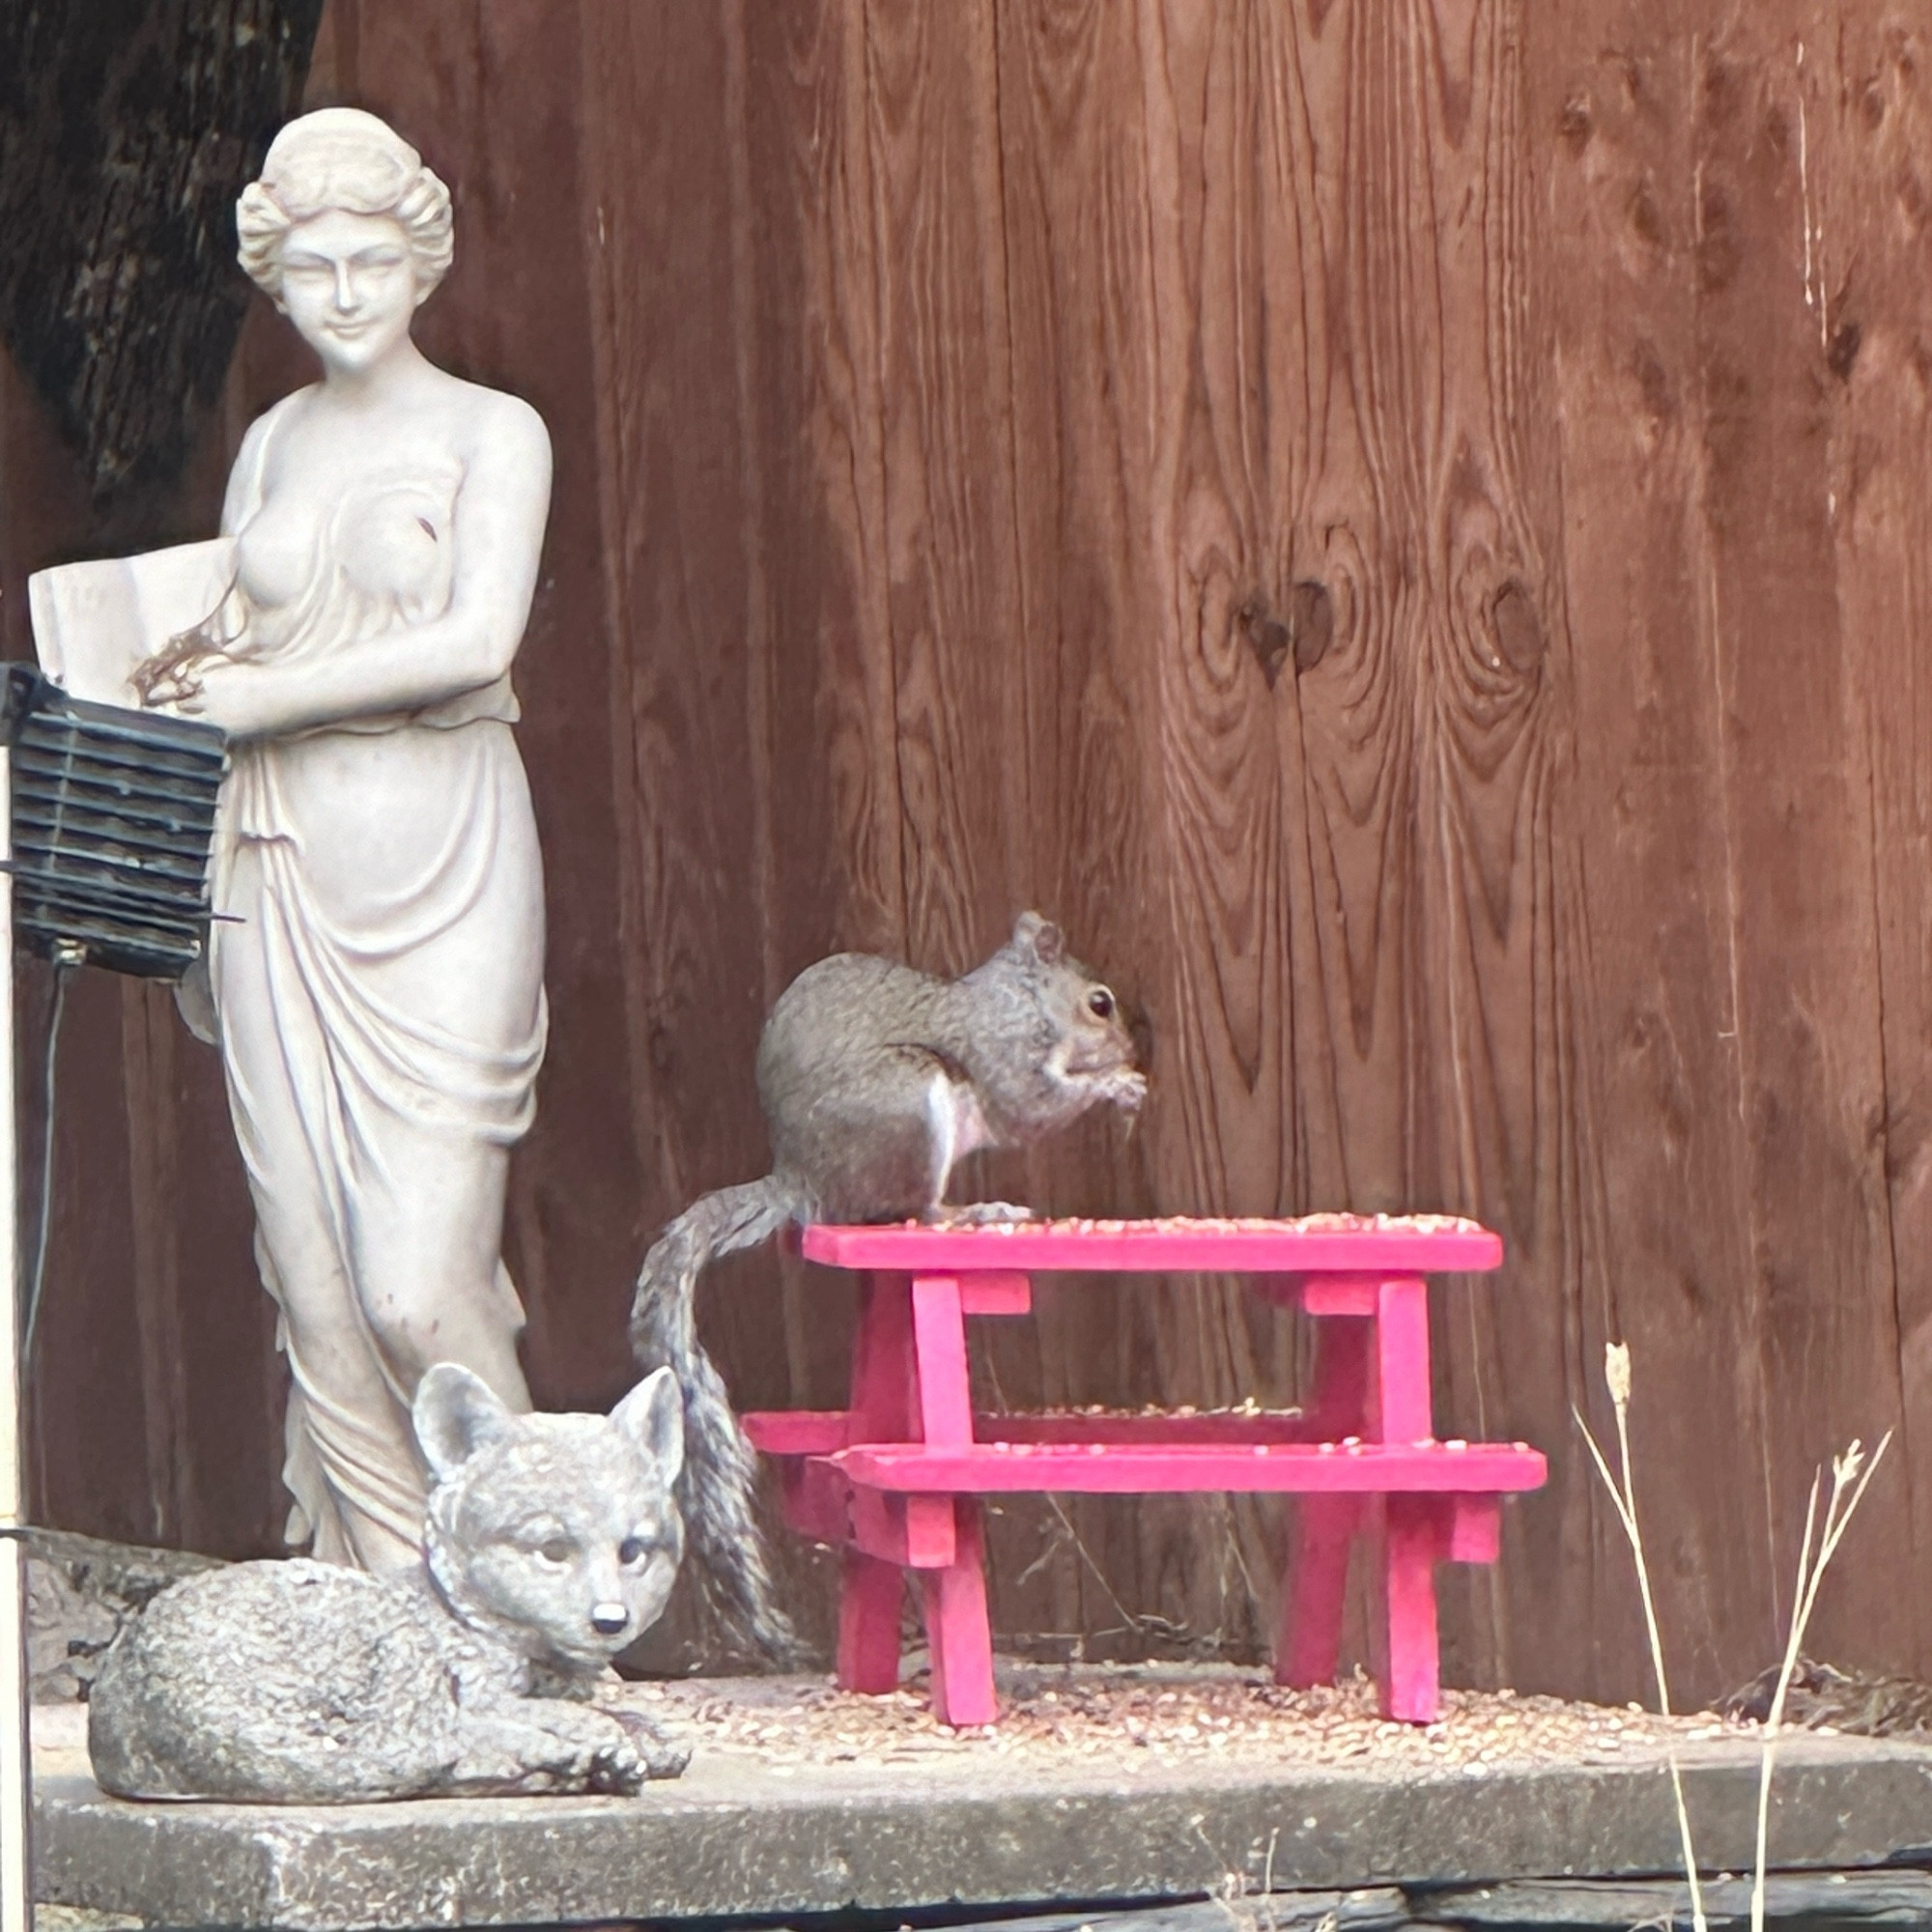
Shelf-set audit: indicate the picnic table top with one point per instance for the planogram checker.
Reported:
(1312, 1245)
(1128, 1468)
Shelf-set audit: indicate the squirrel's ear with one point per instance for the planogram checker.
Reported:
(652, 1416)
(455, 1413)
(1032, 933)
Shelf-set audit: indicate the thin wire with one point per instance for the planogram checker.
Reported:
(62, 975)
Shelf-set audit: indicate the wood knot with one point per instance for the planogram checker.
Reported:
(1518, 629)
(1268, 637)
(1305, 631)
(1844, 350)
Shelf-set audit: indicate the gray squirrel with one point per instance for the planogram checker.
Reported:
(551, 1543)
(876, 1081)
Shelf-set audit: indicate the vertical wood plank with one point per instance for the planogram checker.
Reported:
(1074, 208)
(148, 1023)
(837, 865)
(672, 484)
(1800, 801)
(950, 565)
(1614, 110)
(1865, 218)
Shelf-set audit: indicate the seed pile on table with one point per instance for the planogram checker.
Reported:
(1147, 1715)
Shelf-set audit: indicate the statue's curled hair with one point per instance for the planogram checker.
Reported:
(342, 158)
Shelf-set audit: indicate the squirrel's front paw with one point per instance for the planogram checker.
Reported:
(979, 1215)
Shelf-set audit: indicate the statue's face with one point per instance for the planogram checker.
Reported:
(349, 285)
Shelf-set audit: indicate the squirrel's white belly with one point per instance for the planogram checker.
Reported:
(959, 1125)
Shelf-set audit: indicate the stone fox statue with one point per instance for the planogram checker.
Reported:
(875, 1080)
(552, 1541)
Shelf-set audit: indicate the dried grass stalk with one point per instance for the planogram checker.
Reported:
(1851, 1477)
(1617, 1377)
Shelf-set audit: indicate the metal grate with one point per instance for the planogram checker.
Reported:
(113, 823)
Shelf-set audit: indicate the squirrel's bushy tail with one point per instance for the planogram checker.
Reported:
(715, 1489)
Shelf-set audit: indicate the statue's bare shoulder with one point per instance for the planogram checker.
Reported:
(499, 442)
(494, 426)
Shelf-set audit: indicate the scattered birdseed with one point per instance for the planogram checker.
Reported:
(1170, 1714)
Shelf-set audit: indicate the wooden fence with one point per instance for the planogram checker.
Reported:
(1407, 526)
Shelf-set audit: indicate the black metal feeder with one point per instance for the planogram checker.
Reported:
(113, 822)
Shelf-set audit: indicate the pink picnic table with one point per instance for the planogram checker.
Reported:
(895, 1480)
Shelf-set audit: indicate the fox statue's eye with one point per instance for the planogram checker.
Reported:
(630, 1550)
(555, 1550)
(1101, 1002)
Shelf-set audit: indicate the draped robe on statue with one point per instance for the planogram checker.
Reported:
(378, 988)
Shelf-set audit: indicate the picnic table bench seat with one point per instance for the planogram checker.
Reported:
(894, 1480)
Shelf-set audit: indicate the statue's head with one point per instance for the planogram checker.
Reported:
(348, 232)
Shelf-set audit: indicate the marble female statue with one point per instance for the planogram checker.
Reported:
(378, 989)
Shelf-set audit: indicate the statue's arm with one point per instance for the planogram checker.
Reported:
(497, 532)
(245, 477)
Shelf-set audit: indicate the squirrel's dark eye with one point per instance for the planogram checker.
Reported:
(630, 1550)
(555, 1550)
(1101, 1002)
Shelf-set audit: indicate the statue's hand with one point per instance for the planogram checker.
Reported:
(174, 676)
(233, 693)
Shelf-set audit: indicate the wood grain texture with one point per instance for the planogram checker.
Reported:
(1759, 1072)
(1075, 259)
(1868, 211)
(1800, 807)
(1402, 522)
(672, 489)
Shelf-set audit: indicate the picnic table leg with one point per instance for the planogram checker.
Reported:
(958, 1630)
(1407, 1669)
(1410, 1539)
(1403, 1409)
(944, 1392)
(1308, 1647)
(872, 1590)
(868, 1624)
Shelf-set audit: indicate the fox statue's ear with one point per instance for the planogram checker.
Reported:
(455, 1413)
(1040, 936)
(652, 1416)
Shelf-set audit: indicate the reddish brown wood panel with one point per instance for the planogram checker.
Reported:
(1868, 211)
(1730, 215)
(1403, 523)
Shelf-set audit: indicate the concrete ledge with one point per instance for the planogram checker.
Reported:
(735, 1837)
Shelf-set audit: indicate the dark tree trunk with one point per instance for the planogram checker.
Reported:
(127, 128)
